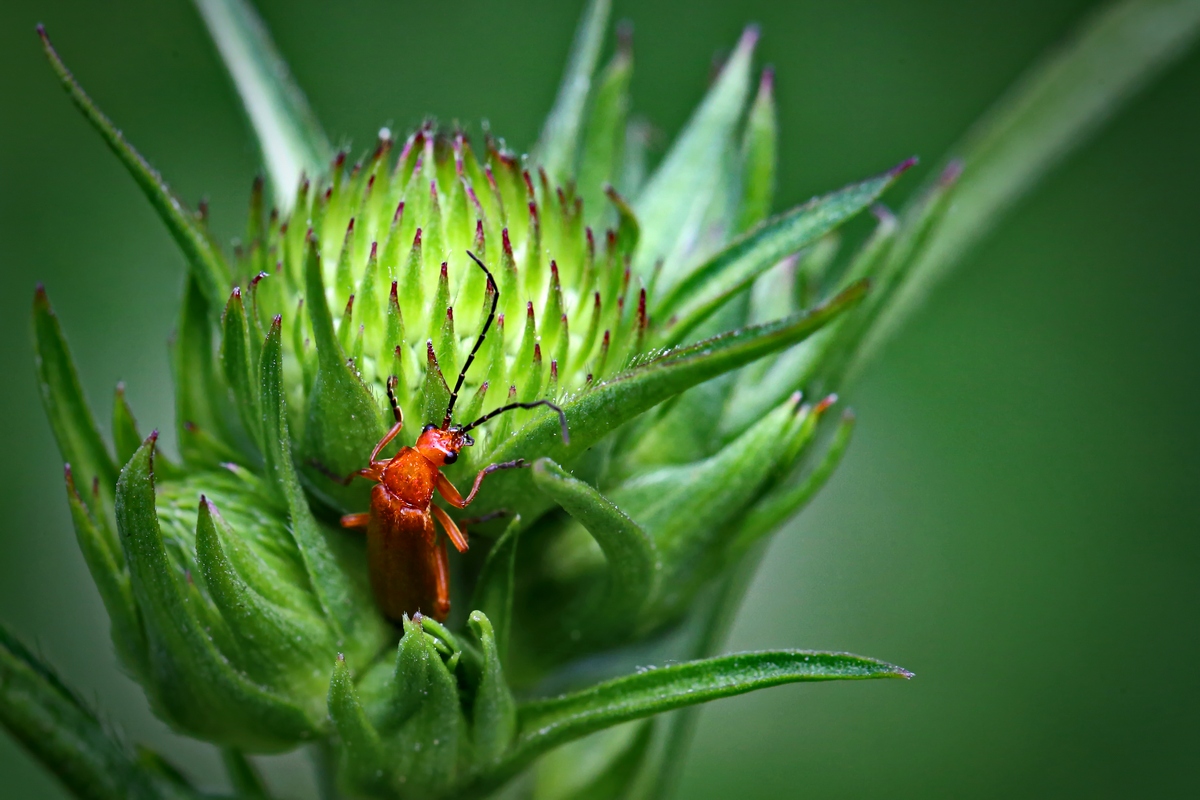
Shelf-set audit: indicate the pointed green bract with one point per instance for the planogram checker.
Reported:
(494, 589)
(599, 411)
(207, 695)
(558, 146)
(205, 260)
(604, 138)
(289, 135)
(704, 291)
(71, 419)
(495, 713)
(674, 200)
(343, 419)
(633, 562)
(759, 155)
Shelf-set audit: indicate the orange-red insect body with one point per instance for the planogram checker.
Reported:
(407, 560)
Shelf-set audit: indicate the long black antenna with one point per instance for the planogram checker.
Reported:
(462, 375)
(562, 417)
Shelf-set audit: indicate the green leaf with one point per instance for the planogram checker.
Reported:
(70, 417)
(343, 418)
(733, 269)
(272, 641)
(548, 723)
(558, 145)
(633, 563)
(780, 505)
(106, 563)
(759, 156)
(240, 366)
(199, 392)
(205, 260)
(495, 711)
(360, 629)
(604, 138)
(1049, 112)
(675, 199)
(595, 413)
(126, 438)
(433, 737)
(289, 135)
(193, 684)
(496, 584)
(67, 737)
(362, 751)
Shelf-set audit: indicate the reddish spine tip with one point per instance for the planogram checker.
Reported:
(429, 351)
(951, 173)
(395, 295)
(766, 83)
(554, 369)
(433, 192)
(450, 313)
(750, 36)
(445, 272)
(399, 212)
(596, 300)
(506, 243)
(553, 271)
(903, 166)
(153, 437)
(417, 238)
(537, 352)
(339, 160)
(236, 294)
(528, 182)
(374, 249)
(350, 227)
(350, 305)
(277, 321)
(529, 309)
(825, 404)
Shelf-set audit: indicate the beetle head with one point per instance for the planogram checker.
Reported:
(441, 446)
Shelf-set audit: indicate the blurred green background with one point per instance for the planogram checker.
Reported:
(1018, 520)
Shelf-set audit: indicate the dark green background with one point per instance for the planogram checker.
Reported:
(1018, 518)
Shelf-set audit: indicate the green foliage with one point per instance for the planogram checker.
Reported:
(693, 343)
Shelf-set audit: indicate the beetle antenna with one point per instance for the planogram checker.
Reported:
(562, 417)
(462, 375)
(391, 393)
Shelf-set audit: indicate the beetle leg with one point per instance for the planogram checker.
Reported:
(441, 588)
(459, 538)
(387, 437)
(447, 490)
(356, 520)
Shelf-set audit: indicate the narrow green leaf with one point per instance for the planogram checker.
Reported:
(558, 145)
(496, 584)
(1047, 114)
(205, 260)
(676, 196)
(604, 138)
(106, 563)
(359, 628)
(67, 737)
(362, 751)
(207, 697)
(633, 561)
(781, 504)
(344, 419)
(239, 365)
(289, 135)
(432, 738)
(759, 156)
(495, 712)
(199, 392)
(270, 638)
(126, 438)
(548, 723)
(733, 269)
(70, 417)
(593, 414)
